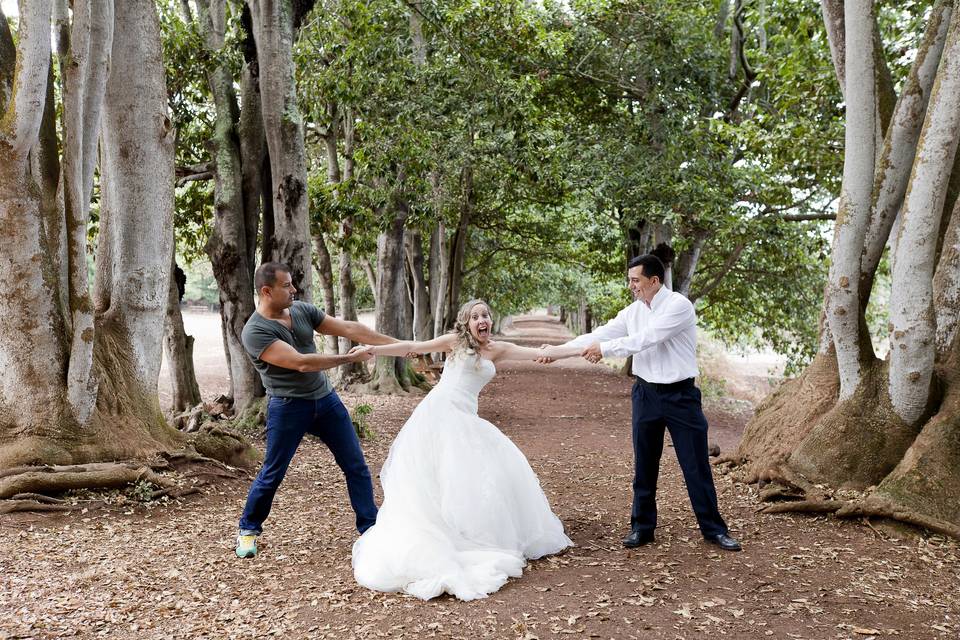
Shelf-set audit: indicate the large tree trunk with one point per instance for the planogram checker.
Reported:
(229, 246)
(33, 353)
(900, 145)
(274, 27)
(178, 350)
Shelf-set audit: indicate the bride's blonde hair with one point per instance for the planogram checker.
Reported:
(466, 343)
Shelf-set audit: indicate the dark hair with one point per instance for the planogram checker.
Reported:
(651, 265)
(266, 274)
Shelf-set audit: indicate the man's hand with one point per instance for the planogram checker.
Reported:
(360, 353)
(544, 359)
(592, 353)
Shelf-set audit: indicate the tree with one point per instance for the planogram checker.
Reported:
(888, 428)
(80, 382)
(238, 154)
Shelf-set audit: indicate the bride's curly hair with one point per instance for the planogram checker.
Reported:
(466, 343)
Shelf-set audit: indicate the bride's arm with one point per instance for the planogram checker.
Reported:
(402, 348)
(510, 351)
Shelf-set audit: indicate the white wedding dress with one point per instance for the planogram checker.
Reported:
(462, 509)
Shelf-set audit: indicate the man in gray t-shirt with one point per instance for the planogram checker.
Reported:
(279, 340)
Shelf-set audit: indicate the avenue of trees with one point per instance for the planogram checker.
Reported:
(405, 155)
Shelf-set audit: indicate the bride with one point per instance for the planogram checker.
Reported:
(462, 509)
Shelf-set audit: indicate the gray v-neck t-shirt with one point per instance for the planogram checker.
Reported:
(259, 333)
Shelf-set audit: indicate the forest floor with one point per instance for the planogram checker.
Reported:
(167, 569)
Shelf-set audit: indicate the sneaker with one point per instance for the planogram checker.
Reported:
(246, 546)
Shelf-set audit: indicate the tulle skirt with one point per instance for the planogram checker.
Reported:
(462, 509)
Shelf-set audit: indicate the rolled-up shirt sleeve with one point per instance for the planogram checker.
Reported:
(662, 326)
(616, 328)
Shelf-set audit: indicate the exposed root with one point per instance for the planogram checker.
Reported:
(870, 507)
(106, 475)
(774, 492)
(804, 506)
(174, 492)
(39, 497)
(14, 506)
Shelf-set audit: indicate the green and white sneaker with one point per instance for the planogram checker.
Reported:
(246, 546)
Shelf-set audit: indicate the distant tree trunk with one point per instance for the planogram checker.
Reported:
(458, 248)
(178, 349)
(274, 27)
(325, 270)
(439, 277)
(371, 274)
(422, 318)
(387, 377)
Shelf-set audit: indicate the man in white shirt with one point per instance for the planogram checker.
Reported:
(660, 331)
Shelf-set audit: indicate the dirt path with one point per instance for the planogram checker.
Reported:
(169, 571)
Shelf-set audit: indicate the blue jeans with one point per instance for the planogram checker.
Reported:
(288, 420)
(679, 411)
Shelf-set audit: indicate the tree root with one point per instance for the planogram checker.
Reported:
(174, 492)
(870, 507)
(777, 491)
(107, 475)
(14, 506)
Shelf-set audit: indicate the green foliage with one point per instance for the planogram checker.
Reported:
(360, 417)
(568, 130)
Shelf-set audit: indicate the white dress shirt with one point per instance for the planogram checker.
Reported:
(662, 338)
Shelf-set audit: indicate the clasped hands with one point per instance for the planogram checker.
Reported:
(364, 352)
(591, 353)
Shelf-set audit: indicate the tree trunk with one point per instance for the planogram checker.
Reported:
(458, 248)
(439, 277)
(354, 371)
(274, 30)
(895, 437)
(843, 299)
(229, 245)
(912, 317)
(371, 274)
(390, 299)
(422, 318)
(178, 350)
(946, 286)
(900, 145)
(325, 270)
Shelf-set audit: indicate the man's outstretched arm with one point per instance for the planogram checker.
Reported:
(356, 331)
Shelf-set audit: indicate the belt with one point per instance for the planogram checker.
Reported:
(666, 386)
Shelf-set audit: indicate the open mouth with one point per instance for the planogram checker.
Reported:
(483, 332)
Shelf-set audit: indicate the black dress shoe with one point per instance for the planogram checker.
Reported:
(723, 541)
(638, 538)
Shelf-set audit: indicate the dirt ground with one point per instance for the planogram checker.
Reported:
(168, 570)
